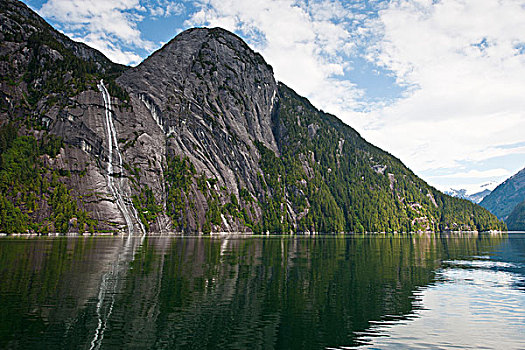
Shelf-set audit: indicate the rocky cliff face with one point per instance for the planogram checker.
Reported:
(197, 138)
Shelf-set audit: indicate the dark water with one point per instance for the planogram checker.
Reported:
(292, 292)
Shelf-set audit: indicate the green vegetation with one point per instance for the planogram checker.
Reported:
(55, 69)
(326, 179)
(45, 72)
(183, 185)
(29, 189)
(335, 181)
(234, 209)
(178, 175)
(146, 206)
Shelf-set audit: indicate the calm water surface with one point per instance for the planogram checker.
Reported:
(283, 292)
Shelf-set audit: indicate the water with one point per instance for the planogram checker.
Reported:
(282, 292)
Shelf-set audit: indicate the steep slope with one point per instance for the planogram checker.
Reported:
(334, 180)
(197, 138)
(516, 219)
(506, 196)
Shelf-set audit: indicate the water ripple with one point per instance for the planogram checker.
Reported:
(467, 305)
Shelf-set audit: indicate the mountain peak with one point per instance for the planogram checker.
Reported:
(207, 44)
(216, 71)
(223, 36)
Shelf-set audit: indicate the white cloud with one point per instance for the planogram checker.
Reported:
(473, 181)
(110, 26)
(165, 8)
(112, 51)
(464, 66)
(477, 174)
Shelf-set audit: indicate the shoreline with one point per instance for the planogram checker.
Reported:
(250, 234)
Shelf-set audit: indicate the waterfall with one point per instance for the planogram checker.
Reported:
(116, 187)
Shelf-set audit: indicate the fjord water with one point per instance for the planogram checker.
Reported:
(282, 292)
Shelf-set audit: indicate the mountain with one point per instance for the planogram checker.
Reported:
(197, 138)
(475, 197)
(506, 196)
(516, 219)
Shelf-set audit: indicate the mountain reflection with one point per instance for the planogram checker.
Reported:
(287, 292)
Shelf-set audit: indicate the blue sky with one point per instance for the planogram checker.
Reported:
(437, 83)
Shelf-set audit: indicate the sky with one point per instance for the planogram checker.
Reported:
(440, 84)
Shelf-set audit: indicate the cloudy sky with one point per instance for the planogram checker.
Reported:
(438, 83)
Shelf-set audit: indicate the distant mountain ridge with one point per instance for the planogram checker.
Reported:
(199, 137)
(502, 201)
(462, 193)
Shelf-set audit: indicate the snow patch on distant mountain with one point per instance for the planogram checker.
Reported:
(473, 193)
(476, 197)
